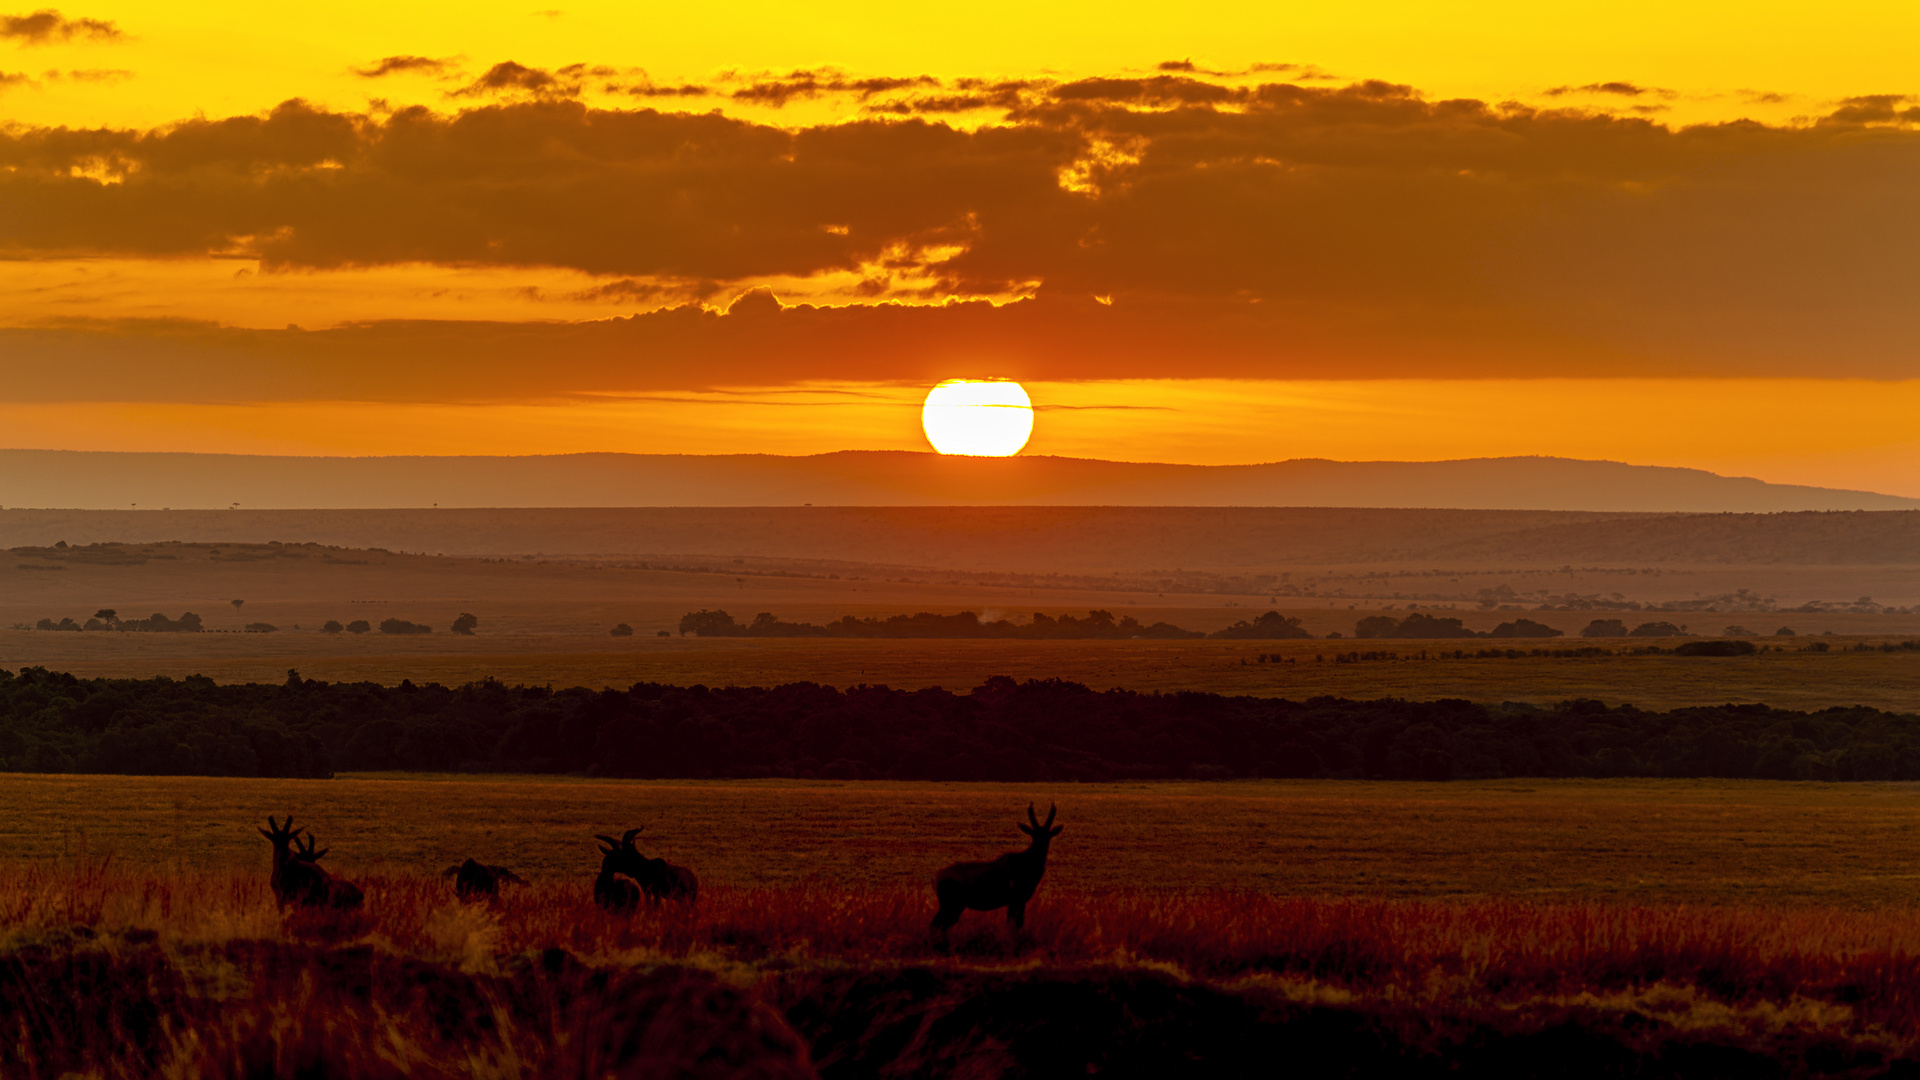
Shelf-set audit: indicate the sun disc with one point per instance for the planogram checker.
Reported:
(978, 417)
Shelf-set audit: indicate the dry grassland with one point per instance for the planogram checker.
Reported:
(1694, 842)
(1788, 680)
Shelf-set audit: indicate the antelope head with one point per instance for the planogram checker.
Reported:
(619, 856)
(304, 852)
(1042, 832)
(280, 836)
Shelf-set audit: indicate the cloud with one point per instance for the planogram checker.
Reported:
(511, 80)
(1620, 89)
(1876, 109)
(777, 91)
(10, 79)
(405, 65)
(47, 26)
(1273, 227)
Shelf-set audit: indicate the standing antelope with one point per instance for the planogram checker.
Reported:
(1006, 882)
(609, 891)
(657, 879)
(297, 877)
(473, 878)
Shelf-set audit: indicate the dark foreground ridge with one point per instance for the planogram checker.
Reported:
(1002, 730)
(134, 1009)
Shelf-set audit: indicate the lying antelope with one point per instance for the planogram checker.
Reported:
(656, 879)
(474, 879)
(1006, 882)
(297, 877)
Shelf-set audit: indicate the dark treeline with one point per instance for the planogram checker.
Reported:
(966, 624)
(1271, 626)
(1002, 730)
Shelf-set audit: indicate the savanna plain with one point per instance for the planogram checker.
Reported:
(1646, 927)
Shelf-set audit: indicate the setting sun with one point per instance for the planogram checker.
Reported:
(980, 418)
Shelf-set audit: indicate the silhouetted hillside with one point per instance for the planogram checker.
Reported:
(1034, 539)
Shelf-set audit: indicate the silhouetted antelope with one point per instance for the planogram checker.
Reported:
(474, 878)
(657, 879)
(609, 890)
(297, 878)
(1006, 882)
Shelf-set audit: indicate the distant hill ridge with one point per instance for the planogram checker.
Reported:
(107, 480)
(1036, 539)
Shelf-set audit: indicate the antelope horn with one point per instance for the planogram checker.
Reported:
(1031, 818)
(626, 840)
(1051, 810)
(607, 840)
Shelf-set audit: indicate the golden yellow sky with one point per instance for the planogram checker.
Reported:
(1670, 233)
(223, 58)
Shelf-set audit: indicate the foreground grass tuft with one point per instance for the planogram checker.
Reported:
(113, 972)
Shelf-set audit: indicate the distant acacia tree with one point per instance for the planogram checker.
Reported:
(1270, 626)
(704, 623)
(331, 626)
(465, 624)
(1605, 628)
(1523, 628)
(359, 626)
(621, 630)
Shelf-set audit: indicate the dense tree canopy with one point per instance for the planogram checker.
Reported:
(1002, 730)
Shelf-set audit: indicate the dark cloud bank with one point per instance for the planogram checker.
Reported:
(1276, 230)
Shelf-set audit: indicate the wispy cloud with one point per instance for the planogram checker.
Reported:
(406, 65)
(47, 26)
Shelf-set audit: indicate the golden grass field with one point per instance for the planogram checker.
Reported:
(1617, 841)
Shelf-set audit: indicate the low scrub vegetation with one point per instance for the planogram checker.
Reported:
(112, 973)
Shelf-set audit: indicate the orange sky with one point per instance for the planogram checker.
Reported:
(1675, 234)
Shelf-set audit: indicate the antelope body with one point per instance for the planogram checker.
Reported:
(297, 877)
(655, 879)
(1006, 882)
(474, 878)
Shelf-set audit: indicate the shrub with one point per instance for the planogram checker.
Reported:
(1523, 628)
(1658, 629)
(623, 630)
(402, 626)
(1605, 628)
(1271, 626)
(465, 623)
(1715, 648)
(359, 626)
(260, 628)
(1417, 625)
(331, 626)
